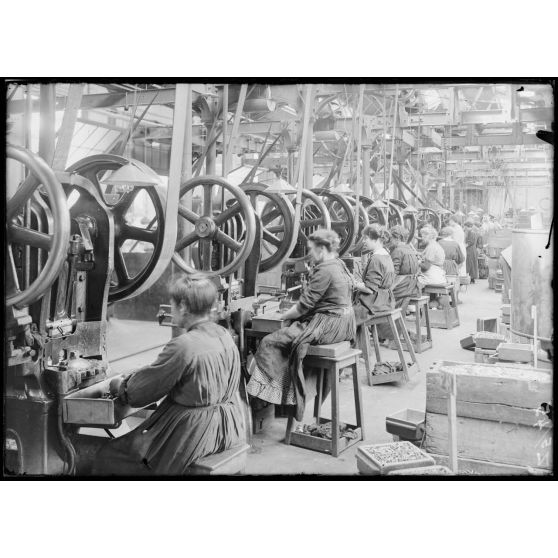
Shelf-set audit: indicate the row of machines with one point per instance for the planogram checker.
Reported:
(69, 235)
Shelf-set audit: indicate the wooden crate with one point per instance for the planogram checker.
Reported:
(377, 379)
(487, 324)
(515, 352)
(499, 415)
(323, 445)
(483, 355)
(488, 340)
(269, 322)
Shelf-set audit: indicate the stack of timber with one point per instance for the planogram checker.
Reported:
(502, 426)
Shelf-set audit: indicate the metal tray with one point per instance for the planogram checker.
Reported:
(87, 408)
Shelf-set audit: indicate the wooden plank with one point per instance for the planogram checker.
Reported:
(487, 440)
(491, 411)
(494, 384)
(450, 387)
(478, 467)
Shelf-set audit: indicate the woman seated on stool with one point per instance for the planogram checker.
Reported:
(375, 291)
(432, 259)
(452, 250)
(406, 267)
(432, 263)
(199, 373)
(322, 315)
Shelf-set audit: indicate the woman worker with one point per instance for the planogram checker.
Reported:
(452, 250)
(459, 236)
(405, 265)
(378, 277)
(433, 256)
(472, 255)
(322, 315)
(198, 374)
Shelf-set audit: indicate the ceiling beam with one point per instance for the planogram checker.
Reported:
(115, 99)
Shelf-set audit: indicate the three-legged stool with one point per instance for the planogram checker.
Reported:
(332, 366)
(393, 318)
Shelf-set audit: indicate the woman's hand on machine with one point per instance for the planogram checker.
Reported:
(115, 383)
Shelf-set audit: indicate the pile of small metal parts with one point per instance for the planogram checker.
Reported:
(324, 430)
(386, 368)
(395, 453)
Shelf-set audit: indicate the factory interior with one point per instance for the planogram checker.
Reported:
(123, 199)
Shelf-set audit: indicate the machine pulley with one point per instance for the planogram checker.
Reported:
(42, 184)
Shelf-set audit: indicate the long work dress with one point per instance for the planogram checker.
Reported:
(459, 237)
(326, 303)
(471, 240)
(199, 372)
(434, 256)
(454, 256)
(379, 277)
(406, 268)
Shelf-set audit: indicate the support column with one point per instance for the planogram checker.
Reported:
(182, 137)
(366, 187)
(47, 130)
(309, 163)
(291, 165)
(451, 196)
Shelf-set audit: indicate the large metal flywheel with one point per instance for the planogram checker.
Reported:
(146, 238)
(211, 226)
(21, 235)
(342, 217)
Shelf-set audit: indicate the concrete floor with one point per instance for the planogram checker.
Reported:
(269, 455)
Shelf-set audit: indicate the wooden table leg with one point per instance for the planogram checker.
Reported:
(363, 343)
(376, 343)
(427, 320)
(290, 426)
(334, 377)
(409, 344)
(399, 347)
(358, 398)
(318, 398)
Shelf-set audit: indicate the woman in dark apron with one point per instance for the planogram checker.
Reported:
(378, 276)
(322, 315)
(406, 267)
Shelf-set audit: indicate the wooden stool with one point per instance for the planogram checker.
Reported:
(392, 318)
(456, 285)
(450, 317)
(331, 365)
(421, 305)
(228, 462)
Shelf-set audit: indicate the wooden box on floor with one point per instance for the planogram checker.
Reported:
(323, 445)
(482, 355)
(500, 421)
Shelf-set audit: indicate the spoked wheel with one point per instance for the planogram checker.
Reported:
(212, 227)
(137, 245)
(276, 213)
(395, 217)
(21, 235)
(427, 216)
(363, 221)
(342, 217)
(313, 216)
(409, 219)
(375, 214)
